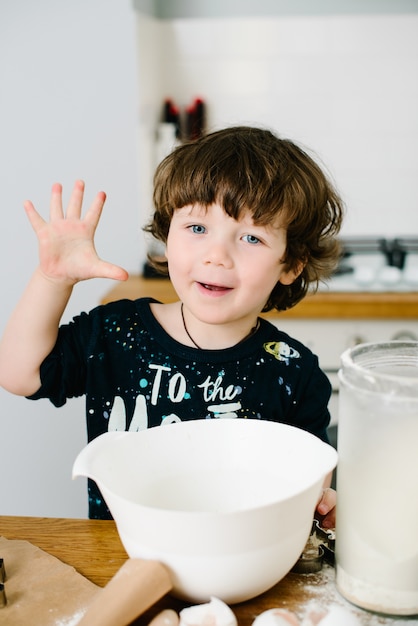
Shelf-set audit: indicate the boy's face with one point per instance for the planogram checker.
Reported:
(223, 269)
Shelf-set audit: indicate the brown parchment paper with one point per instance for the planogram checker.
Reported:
(40, 589)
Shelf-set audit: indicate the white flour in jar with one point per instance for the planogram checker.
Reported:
(376, 598)
(377, 518)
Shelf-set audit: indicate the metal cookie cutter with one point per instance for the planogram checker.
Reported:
(320, 547)
(3, 599)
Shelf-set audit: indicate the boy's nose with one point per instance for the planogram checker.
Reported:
(219, 253)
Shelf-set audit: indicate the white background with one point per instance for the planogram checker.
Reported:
(68, 108)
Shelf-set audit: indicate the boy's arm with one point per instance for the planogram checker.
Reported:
(31, 333)
(67, 256)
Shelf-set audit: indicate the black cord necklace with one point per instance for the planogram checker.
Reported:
(185, 328)
(252, 331)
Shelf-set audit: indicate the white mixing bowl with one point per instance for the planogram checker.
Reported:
(226, 504)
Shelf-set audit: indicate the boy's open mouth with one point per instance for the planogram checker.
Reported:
(214, 287)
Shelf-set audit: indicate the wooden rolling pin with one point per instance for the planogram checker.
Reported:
(133, 589)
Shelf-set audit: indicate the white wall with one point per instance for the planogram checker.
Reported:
(68, 108)
(345, 86)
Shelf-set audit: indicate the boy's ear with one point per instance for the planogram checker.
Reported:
(287, 277)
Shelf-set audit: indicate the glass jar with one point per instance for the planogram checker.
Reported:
(377, 480)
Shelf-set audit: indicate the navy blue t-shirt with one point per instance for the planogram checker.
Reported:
(135, 376)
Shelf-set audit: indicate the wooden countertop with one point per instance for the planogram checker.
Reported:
(322, 305)
(94, 549)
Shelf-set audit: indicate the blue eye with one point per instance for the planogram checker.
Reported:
(197, 229)
(251, 239)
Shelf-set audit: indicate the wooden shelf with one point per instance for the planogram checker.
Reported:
(322, 305)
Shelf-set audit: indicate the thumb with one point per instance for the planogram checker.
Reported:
(109, 270)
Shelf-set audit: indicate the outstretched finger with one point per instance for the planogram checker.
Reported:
(94, 212)
(76, 201)
(35, 219)
(55, 206)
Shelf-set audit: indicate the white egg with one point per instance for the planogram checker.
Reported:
(276, 617)
(213, 613)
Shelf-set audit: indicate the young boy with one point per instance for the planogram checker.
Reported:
(249, 223)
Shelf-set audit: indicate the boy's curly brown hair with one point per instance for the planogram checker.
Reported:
(244, 168)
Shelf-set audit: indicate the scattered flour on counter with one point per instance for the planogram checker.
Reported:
(324, 595)
(72, 620)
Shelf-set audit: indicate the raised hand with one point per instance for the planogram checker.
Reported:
(66, 242)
